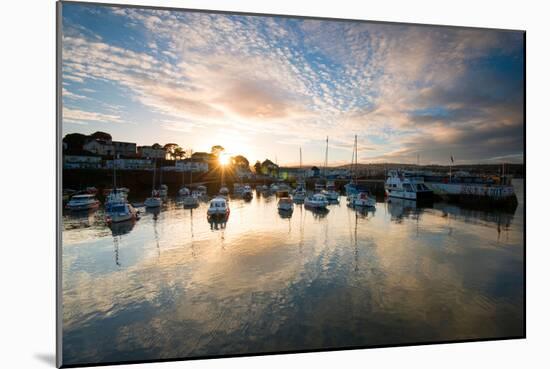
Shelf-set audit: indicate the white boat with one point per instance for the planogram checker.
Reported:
(163, 191)
(285, 204)
(409, 188)
(224, 191)
(247, 192)
(184, 191)
(319, 186)
(299, 195)
(282, 190)
(317, 201)
(120, 212)
(154, 201)
(191, 200)
(83, 202)
(274, 187)
(330, 192)
(218, 206)
(362, 200)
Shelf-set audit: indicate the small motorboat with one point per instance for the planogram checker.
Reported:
(163, 191)
(154, 201)
(190, 201)
(121, 212)
(317, 201)
(285, 204)
(218, 207)
(247, 192)
(362, 200)
(83, 202)
(330, 192)
(184, 191)
(224, 191)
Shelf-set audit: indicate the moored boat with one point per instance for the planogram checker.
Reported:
(83, 202)
(406, 187)
(121, 212)
(285, 204)
(218, 207)
(316, 201)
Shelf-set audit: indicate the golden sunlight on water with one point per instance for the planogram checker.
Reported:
(174, 285)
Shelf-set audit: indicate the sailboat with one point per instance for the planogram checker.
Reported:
(117, 208)
(358, 195)
(330, 188)
(300, 192)
(190, 200)
(154, 201)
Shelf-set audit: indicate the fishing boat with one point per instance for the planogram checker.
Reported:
(83, 202)
(406, 187)
(155, 200)
(121, 212)
(218, 207)
(316, 201)
(285, 204)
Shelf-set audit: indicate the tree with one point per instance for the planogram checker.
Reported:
(75, 141)
(258, 167)
(156, 146)
(179, 153)
(171, 149)
(103, 136)
(240, 161)
(217, 150)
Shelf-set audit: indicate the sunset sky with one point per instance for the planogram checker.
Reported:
(266, 86)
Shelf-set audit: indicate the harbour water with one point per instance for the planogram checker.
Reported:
(173, 285)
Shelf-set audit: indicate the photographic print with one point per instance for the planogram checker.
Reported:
(239, 184)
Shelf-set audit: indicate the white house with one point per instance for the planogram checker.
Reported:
(131, 164)
(81, 162)
(151, 152)
(188, 165)
(99, 147)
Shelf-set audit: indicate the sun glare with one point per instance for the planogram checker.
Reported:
(224, 159)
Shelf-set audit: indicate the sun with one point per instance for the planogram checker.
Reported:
(224, 159)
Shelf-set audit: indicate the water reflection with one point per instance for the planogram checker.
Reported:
(183, 284)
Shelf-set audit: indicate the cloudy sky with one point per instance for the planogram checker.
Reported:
(266, 86)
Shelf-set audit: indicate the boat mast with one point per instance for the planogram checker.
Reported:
(326, 160)
(191, 174)
(114, 170)
(355, 164)
(154, 174)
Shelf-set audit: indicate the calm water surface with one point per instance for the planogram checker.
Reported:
(173, 285)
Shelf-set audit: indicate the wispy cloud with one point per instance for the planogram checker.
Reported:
(403, 89)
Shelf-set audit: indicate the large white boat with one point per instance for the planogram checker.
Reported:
(83, 202)
(316, 201)
(406, 187)
(285, 204)
(218, 206)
